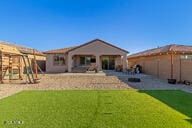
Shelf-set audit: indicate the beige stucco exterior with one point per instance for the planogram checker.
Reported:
(160, 66)
(50, 67)
(96, 48)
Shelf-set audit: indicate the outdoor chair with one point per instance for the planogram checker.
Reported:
(93, 67)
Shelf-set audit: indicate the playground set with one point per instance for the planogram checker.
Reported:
(15, 65)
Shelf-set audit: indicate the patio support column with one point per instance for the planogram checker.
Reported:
(69, 65)
(124, 62)
(98, 62)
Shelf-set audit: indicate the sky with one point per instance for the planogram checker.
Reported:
(134, 25)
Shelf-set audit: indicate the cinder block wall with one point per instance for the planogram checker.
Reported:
(182, 68)
(160, 66)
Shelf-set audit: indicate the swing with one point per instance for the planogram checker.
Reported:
(11, 74)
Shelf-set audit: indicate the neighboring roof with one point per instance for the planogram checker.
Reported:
(9, 49)
(66, 50)
(22, 49)
(58, 51)
(165, 49)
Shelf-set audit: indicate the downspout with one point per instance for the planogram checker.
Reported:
(158, 68)
(171, 64)
(180, 70)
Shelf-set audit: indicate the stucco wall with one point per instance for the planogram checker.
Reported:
(51, 68)
(154, 65)
(160, 66)
(182, 68)
(96, 48)
(186, 70)
(118, 60)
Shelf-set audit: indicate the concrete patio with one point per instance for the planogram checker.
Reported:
(149, 82)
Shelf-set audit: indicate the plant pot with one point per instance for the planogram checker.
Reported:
(186, 82)
(171, 81)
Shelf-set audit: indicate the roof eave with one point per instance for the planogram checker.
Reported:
(94, 41)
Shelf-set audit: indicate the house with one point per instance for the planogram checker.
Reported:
(171, 61)
(40, 57)
(103, 55)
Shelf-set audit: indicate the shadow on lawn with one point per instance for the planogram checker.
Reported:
(178, 100)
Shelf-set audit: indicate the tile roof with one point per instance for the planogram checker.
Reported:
(165, 49)
(181, 48)
(61, 50)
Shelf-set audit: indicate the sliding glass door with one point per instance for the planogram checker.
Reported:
(108, 62)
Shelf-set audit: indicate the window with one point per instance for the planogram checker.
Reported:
(58, 60)
(82, 60)
(93, 60)
(186, 56)
(86, 60)
(61, 60)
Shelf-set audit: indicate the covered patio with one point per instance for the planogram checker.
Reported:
(83, 63)
(98, 53)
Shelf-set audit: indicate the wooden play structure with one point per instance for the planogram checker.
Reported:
(14, 65)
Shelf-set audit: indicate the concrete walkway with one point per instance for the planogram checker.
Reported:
(149, 82)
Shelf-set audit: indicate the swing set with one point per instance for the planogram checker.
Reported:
(12, 62)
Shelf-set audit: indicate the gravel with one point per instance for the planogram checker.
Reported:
(99, 81)
(66, 82)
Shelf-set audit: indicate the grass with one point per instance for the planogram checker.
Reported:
(97, 109)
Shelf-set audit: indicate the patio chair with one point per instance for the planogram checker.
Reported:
(93, 67)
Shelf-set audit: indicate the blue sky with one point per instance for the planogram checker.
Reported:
(134, 25)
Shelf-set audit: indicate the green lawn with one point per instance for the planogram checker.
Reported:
(97, 109)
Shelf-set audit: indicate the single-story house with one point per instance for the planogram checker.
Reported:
(103, 55)
(171, 61)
